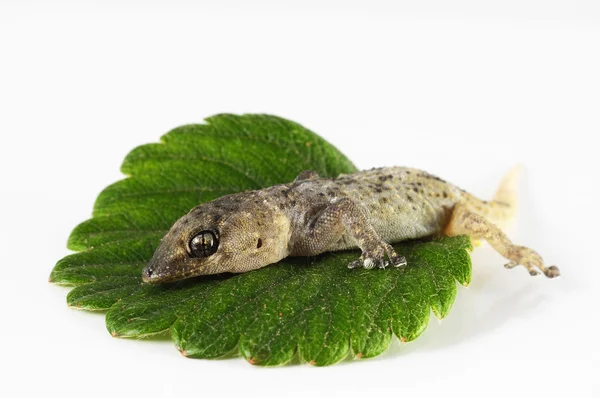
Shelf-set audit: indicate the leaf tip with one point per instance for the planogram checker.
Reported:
(251, 360)
(440, 313)
(115, 334)
(359, 355)
(403, 339)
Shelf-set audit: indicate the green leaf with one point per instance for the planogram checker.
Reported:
(313, 307)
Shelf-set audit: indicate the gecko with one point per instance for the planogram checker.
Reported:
(368, 210)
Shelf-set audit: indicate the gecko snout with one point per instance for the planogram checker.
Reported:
(166, 265)
(152, 271)
(147, 274)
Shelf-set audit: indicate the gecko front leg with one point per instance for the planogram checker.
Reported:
(465, 221)
(344, 216)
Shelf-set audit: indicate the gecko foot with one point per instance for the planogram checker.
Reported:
(531, 261)
(377, 258)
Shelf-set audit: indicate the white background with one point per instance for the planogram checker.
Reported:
(463, 89)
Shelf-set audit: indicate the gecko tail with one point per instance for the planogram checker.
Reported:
(504, 206)
(507, 191)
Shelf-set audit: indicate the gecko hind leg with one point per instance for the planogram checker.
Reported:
(465, 221)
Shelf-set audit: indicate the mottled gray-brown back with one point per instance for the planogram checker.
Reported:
(401, 203)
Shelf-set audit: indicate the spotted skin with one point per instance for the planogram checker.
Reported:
(312, 215)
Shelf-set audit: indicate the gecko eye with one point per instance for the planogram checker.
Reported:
(203, 244)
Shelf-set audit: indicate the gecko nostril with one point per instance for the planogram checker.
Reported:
(147, 274)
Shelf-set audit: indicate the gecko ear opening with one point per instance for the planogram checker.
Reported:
(259, 243)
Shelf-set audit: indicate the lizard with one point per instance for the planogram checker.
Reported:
(368, 210)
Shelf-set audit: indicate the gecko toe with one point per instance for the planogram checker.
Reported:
(399, 261)
(356, 264)
(379, 257)
(552, 272)
(368, 263)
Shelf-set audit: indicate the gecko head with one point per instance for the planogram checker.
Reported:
(230, 234)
